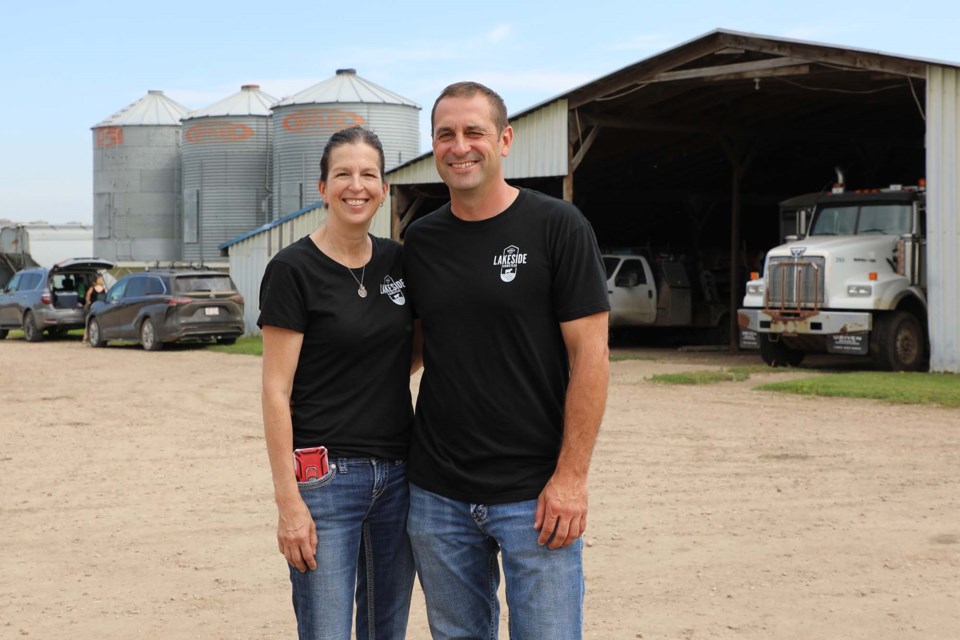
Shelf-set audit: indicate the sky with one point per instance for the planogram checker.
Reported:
(65, 66)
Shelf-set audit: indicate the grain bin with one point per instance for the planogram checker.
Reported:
(136, 181)
(303, 123)
(225, 150)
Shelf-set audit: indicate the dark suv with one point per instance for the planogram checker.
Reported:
(38, 299)
(168, 305)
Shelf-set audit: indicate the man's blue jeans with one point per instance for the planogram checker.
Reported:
(455, 546)
(360, 511)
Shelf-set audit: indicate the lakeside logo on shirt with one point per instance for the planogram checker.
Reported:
(394, 289)
(508, 262)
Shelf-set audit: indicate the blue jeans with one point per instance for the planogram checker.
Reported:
(360, 511)
(455, 546)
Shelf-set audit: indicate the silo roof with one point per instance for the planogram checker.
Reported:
(153, 109)
(249, 101)
(346, 86)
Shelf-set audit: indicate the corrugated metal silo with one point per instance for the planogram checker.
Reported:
(303, 123)
(136, 181)
(225, 150)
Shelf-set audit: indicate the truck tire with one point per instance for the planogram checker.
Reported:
(31, 332)
(899, 342)
(777, 354)
(3, 333)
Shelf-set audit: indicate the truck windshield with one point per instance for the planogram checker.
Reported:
(882, 219)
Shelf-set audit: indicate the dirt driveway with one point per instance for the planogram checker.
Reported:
(135, 501)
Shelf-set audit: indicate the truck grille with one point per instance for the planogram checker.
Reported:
(795, 282)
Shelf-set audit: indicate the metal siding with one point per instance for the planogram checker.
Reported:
(539, 149)
(137, 194)
(231, 176)
(296, 154)
(943, 206)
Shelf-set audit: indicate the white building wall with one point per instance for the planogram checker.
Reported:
(943, 208)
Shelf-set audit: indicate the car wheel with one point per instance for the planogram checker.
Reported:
(3, 333)
(148, 336)
(31, 331)
(95, 335)
(226, 341)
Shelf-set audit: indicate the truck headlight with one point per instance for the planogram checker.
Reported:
(754, 288)
(859, 290)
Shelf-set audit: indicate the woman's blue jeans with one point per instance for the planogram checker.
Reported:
(455, 545)
(360, 511)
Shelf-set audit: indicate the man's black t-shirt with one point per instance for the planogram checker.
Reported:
(351, 390)
(491, 295)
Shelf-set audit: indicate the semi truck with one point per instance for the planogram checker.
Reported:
(851, 280)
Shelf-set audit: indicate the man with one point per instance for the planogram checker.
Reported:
(511, 294)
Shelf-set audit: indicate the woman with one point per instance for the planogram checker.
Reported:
(337, 344)
(97, 292)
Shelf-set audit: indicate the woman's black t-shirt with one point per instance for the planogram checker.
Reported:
(351, 390)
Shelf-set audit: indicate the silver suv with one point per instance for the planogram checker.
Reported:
(38, 299)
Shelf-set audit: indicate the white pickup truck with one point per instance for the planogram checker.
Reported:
(662, 295)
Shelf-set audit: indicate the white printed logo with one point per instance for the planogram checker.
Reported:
(394, 289)
(508, 262)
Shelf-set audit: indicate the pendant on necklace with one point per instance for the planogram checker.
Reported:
(362, 291)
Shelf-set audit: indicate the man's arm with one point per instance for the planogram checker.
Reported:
(562, 505)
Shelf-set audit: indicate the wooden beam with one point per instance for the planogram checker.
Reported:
(584, 147)
(726, 69)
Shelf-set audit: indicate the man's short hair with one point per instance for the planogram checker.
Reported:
(469, 89)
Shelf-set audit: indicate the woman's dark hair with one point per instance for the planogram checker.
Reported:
(352, 135)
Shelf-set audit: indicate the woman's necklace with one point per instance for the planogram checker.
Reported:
(362, 291)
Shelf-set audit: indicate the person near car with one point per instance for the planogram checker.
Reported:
(510, 290)
(337, 354)
(97, 292)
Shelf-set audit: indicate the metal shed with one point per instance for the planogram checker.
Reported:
(699, 143)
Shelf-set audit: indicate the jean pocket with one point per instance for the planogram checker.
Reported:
(322, 481)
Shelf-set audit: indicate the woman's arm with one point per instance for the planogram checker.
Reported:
(296, 533)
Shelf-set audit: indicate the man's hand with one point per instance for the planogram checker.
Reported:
(297, 536)
(561, 515)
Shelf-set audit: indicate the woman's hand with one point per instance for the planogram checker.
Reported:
(297, 535)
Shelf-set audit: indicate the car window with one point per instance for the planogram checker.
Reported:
(630, 267)
(155, 287)
(184, 284)
(136, 287)
(116, 291)
(610, 264)
(29, 281)
(12, 285)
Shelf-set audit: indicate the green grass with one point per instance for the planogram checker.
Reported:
(903, 388)
(248, 345)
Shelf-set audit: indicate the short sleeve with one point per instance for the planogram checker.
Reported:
(579, 281)
(282, 298)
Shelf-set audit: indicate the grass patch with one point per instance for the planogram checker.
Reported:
(903, 388)
(247, 345)
(701, 377)
(620, 357)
